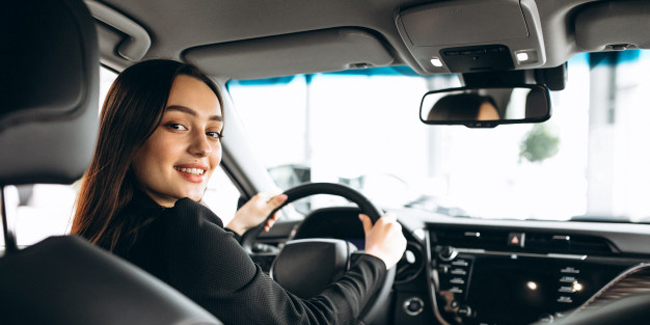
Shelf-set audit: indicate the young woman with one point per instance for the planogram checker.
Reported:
(159, 143)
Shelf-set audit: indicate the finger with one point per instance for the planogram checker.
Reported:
(277, 200)
(367, 223)
(389, 217)
(271, 221)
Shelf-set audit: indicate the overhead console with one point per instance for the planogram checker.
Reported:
(487, 35)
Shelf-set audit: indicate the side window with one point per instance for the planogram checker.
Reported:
(221, 196)
(40, 210)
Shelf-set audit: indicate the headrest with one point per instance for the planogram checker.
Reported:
(49, 91)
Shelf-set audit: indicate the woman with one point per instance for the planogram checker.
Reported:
(159, 143)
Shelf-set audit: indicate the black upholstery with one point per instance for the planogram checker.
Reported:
(65, 280)
(48, 117)
(48, 124)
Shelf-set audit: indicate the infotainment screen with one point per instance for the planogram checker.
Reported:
(503, 289)
(517, 288)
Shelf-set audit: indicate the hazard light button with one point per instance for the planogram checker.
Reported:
(516, 239)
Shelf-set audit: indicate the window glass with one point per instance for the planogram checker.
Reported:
(362, 129)
(221, 196)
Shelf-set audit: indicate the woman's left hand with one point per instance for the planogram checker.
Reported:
(255, 211)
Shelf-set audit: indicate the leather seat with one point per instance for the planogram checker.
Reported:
(48, 124)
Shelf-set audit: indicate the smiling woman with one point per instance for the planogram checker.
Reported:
(192, 123)
(110, 182)
(143, 204)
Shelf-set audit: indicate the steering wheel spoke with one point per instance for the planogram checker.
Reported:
(306, 266)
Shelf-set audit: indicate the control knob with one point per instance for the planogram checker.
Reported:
(413, 306)
(447, 253)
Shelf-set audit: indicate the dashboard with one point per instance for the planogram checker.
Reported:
(492, 276)
(461, 271)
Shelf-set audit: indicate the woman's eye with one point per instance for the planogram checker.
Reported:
(176, 126)
(216, 135)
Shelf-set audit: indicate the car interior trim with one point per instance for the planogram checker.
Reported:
(515, 254)
(635, 280)
(355, 48)
(608, 25)
(136, 41)
(514, 24)
(432, 281)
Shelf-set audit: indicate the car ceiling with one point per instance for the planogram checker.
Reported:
(247, 39)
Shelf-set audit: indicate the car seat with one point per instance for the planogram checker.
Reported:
(48, 126)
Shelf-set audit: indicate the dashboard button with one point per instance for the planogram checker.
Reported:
(460, 263)
(447, 253)
(456, 290)
(567, 279)
(517, 239)
(570, 270)
(566, 290)
(413, 306)
(457, 281)
(464, 311)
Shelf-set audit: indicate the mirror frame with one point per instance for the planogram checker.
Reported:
(489, 124)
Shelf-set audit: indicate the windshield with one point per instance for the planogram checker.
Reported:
(588, 161)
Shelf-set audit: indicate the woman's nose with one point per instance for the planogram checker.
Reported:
(200, 145)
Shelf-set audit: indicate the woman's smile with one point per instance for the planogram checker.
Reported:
(195, 173)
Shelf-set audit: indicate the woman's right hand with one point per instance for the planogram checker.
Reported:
(385, 239)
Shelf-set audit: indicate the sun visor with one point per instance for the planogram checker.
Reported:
(311, 52)
(619, 25)
(473, 36)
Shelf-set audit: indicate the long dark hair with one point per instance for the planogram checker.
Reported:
(132, 111)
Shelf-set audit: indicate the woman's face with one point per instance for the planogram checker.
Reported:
(180, 156)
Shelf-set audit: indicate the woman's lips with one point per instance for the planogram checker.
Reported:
(192, 173)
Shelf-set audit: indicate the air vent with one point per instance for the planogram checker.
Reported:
(570, 244)
(533, 242)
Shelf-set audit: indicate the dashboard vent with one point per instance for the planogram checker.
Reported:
(533, 242)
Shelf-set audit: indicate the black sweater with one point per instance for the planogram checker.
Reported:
(187, 247)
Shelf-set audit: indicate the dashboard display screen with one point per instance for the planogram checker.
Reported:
(505, 290)
(515, 289)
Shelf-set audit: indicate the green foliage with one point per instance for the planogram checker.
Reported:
(539, 144)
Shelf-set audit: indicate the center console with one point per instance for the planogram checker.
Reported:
(497, 277)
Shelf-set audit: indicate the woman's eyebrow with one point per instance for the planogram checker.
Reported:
(192, 112)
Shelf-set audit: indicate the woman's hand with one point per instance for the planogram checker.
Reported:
(255, 212)
(385, 239)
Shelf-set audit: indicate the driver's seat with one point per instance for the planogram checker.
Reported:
(48, 124)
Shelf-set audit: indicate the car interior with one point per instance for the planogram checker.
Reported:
(508, 136)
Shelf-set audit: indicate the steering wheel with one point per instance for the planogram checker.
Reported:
(306, 266)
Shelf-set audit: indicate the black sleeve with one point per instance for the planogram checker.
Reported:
(208, 265)
(235, 235)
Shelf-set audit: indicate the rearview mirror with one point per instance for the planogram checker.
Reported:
(486, 107)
